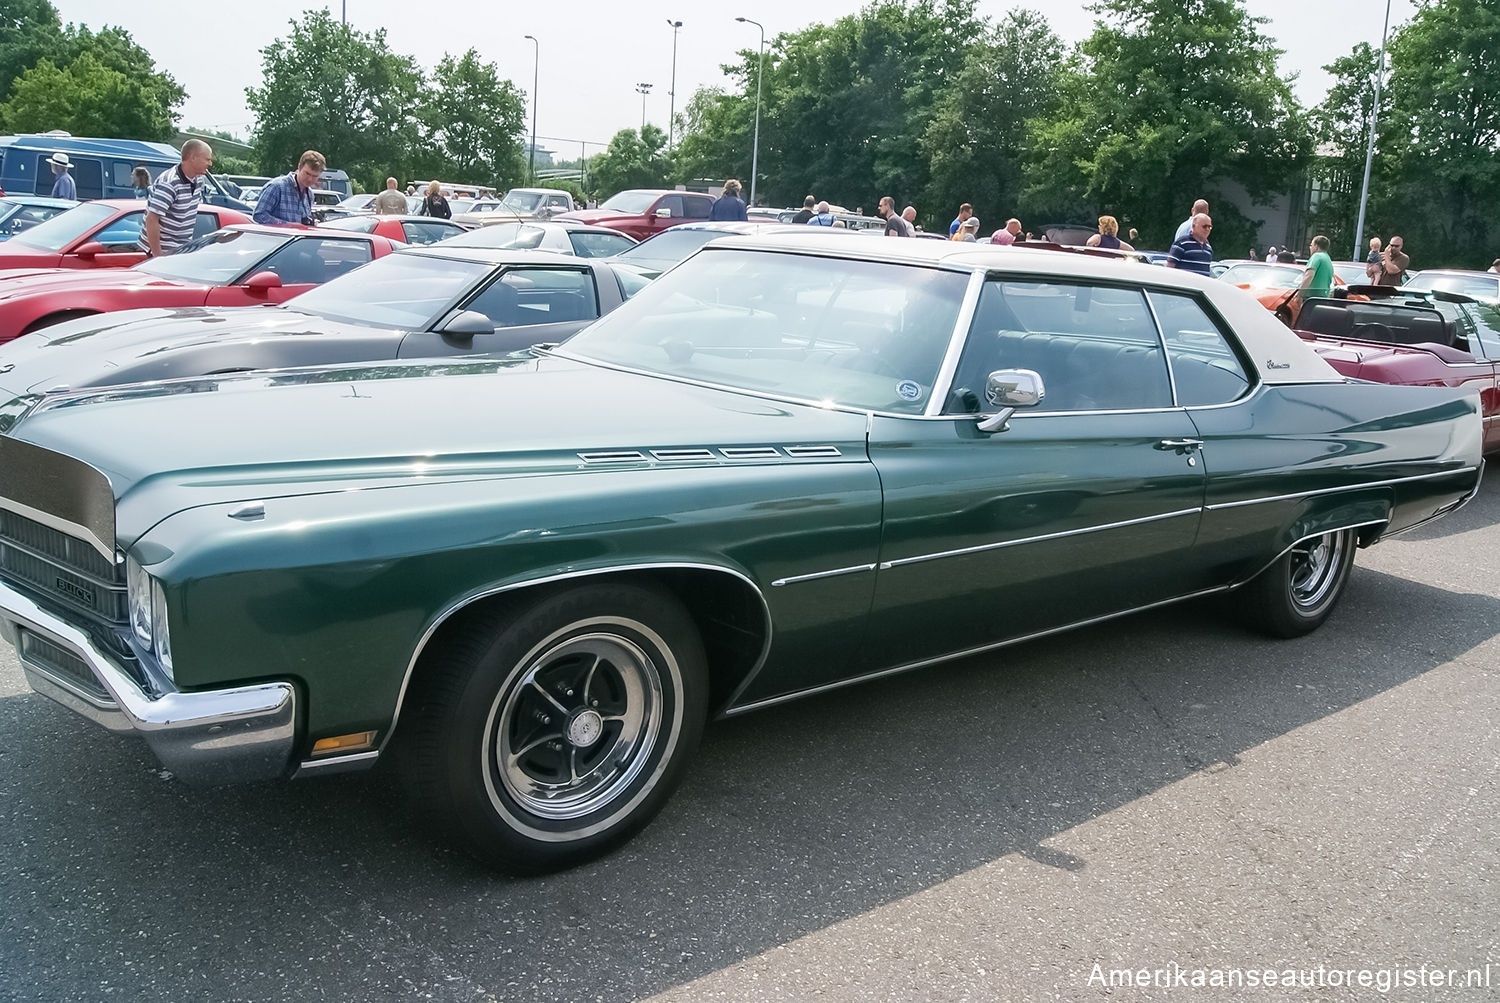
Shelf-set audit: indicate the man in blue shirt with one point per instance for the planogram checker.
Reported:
(1193, 253)
(288, 200)
(729, 206)
(63, 187)
(964, 212)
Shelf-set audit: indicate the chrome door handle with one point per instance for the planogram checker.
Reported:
(1180, 445)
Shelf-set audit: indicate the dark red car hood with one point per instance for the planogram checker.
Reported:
(35, 281)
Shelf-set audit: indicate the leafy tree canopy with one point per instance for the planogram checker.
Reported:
(632, 160)
(1166, 101)
(472, 123)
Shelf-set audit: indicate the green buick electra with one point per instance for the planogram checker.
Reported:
(525, 583)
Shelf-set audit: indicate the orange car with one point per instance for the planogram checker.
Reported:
(1273, 284)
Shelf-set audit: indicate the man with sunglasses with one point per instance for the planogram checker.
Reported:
(1193, 253)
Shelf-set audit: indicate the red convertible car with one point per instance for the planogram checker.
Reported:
(101, 234)
(641, 212)
(1414, 338)
(242, 265)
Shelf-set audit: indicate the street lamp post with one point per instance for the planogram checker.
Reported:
(643, 90)
(672, 94)
(760, 71)
(536, 66)
(1364, 193)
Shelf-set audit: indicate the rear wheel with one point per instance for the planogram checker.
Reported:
(1297, 593)
(549, 733)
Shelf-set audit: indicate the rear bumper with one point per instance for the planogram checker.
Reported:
(223, 736)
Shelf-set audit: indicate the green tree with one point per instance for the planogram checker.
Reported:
(844, 107)
(632, 160)
(342, 92)
(29, 32)
(1169, 100)
(92, 84)
(976, 143)
(1439, 149)
(474, 121)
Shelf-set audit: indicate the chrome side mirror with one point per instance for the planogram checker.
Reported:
(1008, 389)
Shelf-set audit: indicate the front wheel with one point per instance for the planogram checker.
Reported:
(546, 734)
(1297, 593)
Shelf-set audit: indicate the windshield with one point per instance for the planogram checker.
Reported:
(61, 230)
(1263, 276)
(407, 291)
(521, 201)
(630, 202)
(667, 248)
(861, 334)
(1478, 286)
(500, 235)
(354, 224)
(216, 258)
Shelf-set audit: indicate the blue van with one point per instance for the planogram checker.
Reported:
(101, 167)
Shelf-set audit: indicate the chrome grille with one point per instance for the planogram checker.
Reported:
(37, 650)
(62, 567)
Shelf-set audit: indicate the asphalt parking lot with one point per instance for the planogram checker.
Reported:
(1168, 790)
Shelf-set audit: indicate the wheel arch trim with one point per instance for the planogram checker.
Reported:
(582, 575)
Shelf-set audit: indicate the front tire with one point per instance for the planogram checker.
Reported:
(546, 734)
(1297, 593)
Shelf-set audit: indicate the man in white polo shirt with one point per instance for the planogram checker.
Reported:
(172, 205)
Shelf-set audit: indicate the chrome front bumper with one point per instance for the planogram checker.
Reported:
(213, 737)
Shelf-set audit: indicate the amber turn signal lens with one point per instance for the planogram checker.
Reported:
(344, 743)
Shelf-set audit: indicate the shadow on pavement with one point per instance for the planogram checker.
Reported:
(793, 819)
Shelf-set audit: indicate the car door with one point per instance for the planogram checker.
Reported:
(1082, 507)
(1480, 326)
(670, 204)
(527, 305)
(301, 264)
(118, 240)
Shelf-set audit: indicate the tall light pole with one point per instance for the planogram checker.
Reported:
(1364, 193)
(536, 66)
(643, 90)
(672, 94)
(760, 71)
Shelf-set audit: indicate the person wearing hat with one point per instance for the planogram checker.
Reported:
(63, 187)
(968, 230)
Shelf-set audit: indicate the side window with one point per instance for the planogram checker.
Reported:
(698, 208)
(559, 202)
(305, 261)
(1205, 367)
(524, 296)
(119, 174)
(88, 175)
(426, 233)
(672, 203)
(1095, 347)
(341, 256)
(598, 245)
(206, 223)
(124, 234)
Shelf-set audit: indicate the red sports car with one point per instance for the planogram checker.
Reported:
(242, 265)
(1412, 338)
(407, 229)
(101, 234)
(641, 212)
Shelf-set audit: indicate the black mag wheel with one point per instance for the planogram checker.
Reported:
(552, 732)
(1298, 592)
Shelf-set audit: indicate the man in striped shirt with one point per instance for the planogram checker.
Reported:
(1193, 253)
(172, 205)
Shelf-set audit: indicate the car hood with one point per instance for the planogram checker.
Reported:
(178, 444)
(97, 350)
(15, 254)
(35, 281)
(598, 217)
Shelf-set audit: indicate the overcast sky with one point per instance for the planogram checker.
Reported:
(594, 52)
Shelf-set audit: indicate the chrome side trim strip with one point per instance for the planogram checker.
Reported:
(613, 456)
(1345, 487)
(470, 598)
(899, 562)
(683, 454)
(908, 667)
(327, 765)
(750, 452)
(813, 451)
(822, 574)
